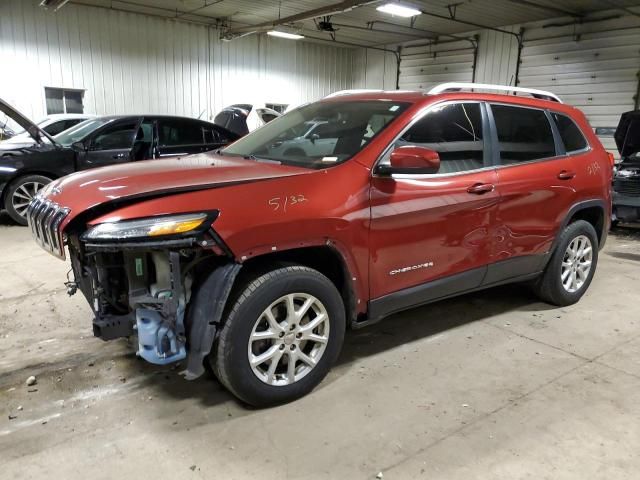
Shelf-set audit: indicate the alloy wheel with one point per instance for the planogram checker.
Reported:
(23, 196)
(288, 339)
(576, 263)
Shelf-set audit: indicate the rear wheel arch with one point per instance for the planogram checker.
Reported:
(591, 211)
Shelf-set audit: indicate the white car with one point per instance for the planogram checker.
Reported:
(52, 124)
(316, 139)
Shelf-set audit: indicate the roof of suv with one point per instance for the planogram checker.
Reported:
(418, 96)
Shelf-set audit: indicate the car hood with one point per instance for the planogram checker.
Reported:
(86, 190)
(34, 130)
(627, 134)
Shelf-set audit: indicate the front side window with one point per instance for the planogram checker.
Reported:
(524, 134)
(569, 133)
(174, 133)
(336, 131)
(116, 137)
(80, 131)
(452, 130)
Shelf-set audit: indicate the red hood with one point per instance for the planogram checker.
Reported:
(83, 190)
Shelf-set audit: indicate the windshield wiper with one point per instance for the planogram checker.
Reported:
(261, 159)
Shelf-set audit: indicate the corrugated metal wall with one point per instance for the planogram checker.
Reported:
(593, 66)
(375, 69)
(497, 57)
(423, 66)
(130, 63)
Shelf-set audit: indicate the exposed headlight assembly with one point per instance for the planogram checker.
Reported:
(172, 226)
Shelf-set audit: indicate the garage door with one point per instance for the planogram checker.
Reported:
(423, 66)
(594, 70)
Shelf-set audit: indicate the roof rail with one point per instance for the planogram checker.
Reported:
(356, 90)
(457, 86)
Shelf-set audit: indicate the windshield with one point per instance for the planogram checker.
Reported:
(80, 131)
(318, 134)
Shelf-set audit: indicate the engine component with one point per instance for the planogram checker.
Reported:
(157, 342)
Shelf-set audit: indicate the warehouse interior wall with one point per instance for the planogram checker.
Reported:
(134, 63)
(375, 69)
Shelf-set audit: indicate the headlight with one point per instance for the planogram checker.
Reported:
(148, 228)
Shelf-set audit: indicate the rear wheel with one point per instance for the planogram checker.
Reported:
(20, 193)
(571, 267)
(281, 336)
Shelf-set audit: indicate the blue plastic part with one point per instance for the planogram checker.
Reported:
(157, 343)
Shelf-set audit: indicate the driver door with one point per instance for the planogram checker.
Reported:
(431, 234)
(111, 145)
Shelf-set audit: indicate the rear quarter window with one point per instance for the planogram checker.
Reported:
(524, 134)
(570, 134)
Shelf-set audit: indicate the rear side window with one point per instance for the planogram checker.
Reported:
(570, 133)
(455, 132)
(211, 135)
(180, 132)
(524, 134)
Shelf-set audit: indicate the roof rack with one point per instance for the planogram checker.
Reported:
(458, 86)
(355, 90)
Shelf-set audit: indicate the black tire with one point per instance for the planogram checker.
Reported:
(230, 360)
(18, 191)
(549, 286)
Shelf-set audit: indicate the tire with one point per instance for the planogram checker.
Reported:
(550, 287)
(248, 316)
(19, 194)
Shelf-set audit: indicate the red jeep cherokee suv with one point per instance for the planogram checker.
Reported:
(257, 257)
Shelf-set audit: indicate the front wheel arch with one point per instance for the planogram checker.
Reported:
(12, 188)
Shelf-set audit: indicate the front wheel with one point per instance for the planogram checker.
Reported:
(20, 193)
(571, 267)
(281, 337)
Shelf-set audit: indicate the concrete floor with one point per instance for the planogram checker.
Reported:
(493, 385)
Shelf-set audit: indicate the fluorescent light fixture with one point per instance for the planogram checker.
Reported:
(290, 36)
(398, 10)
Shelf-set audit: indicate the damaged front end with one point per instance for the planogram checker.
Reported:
(163, 278)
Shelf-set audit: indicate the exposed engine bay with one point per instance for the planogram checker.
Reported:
(148, 290)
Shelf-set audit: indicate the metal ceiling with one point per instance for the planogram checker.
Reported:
(361, 25)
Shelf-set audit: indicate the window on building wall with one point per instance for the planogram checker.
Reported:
(61, 100)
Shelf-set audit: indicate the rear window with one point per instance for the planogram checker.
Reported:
(180, 132)
(524, 134)
(570, 133)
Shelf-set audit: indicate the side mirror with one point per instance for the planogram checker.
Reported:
(411, 160)
(79, 146)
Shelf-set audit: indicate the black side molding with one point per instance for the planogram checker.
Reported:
(425, 293)
(204, 314)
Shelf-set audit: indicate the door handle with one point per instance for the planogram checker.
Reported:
(481, 188)
(119, 155)
(566, 175)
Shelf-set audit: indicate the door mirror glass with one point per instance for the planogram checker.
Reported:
(412, 160)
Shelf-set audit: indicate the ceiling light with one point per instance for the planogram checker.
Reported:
(398, 10)
(290, 36)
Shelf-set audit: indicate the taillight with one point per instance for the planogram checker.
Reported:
(612, 159)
